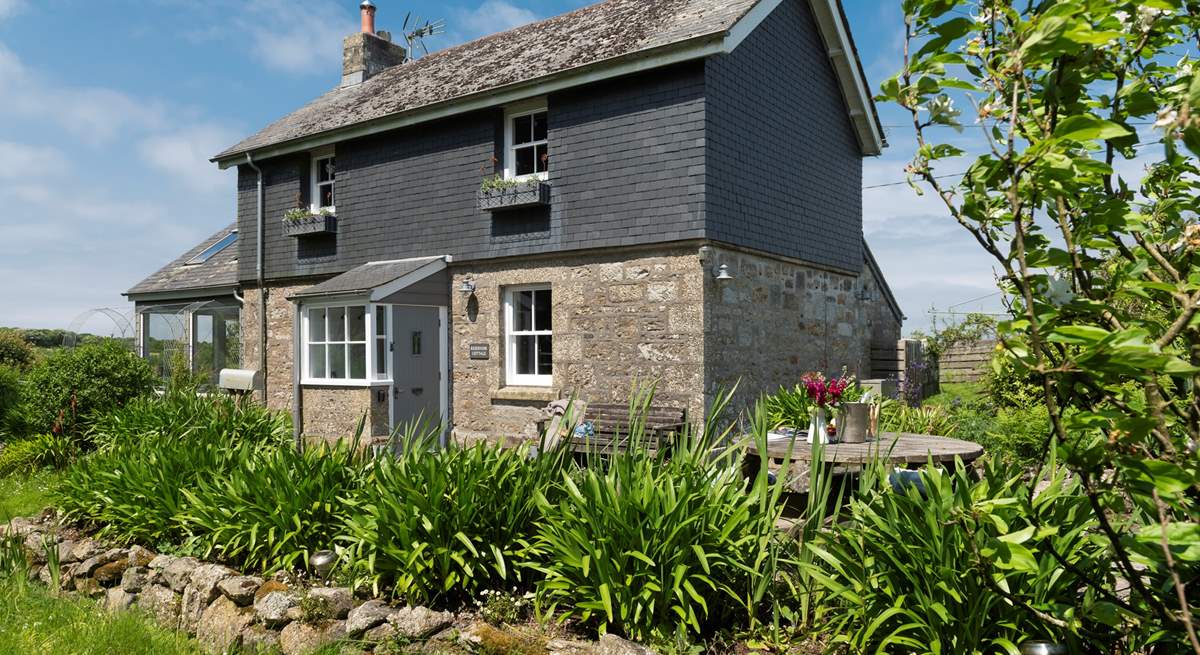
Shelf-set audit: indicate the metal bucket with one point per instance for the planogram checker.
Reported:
(855, 422)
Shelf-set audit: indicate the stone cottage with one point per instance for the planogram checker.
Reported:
(658, 191)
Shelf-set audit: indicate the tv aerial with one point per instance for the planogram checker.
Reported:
(415, 33)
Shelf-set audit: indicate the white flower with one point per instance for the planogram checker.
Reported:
(1058, 291)
(986, 15)
(1147, 15)
(1183, 68)
(1167, 117)
(1122, 16)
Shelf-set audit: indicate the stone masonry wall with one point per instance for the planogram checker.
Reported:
(280, 317)
(777, 319)
(334, 412)
(619, 317)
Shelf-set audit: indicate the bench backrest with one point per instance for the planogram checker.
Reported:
(612, 426)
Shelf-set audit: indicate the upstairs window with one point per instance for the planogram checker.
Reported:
(324, 179)
(529, 356)
(527, 136)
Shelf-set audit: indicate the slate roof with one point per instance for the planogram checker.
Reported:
(363, 279)
(591, 35)
(220, 271)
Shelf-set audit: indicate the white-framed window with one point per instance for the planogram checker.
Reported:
(527, 146)
(324, 179)
(382, 368)
(341, 345)
(529, 333)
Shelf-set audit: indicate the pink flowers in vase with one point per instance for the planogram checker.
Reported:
(825, 393)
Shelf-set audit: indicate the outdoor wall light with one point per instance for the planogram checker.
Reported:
(467, 288)
(722, 273)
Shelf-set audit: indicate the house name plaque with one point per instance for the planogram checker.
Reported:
(480, 351)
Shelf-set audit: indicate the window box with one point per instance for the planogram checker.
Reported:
(529, 193)
(311, 225)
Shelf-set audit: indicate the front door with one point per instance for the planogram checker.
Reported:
(416, 365)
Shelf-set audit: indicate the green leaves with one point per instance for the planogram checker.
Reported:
(1085, 127)
(660, 545)
(940, 569)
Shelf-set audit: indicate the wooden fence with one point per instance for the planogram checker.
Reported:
(907, 358)
(967, 362)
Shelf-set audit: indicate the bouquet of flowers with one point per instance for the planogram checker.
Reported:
(826, 393)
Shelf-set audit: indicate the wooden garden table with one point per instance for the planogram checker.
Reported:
(900, 448)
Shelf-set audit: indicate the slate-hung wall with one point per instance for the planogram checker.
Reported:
(627, 168)
(784, 167)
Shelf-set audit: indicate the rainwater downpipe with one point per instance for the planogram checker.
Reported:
(259, 277)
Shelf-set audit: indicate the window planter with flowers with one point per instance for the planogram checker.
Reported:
(498, 194)
(303, 223)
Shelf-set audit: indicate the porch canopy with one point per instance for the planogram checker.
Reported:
(421, 281)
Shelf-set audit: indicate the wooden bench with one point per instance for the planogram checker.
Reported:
(612, 426)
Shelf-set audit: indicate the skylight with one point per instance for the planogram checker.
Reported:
(209, 252)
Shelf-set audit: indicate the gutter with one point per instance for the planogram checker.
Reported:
(260, 201)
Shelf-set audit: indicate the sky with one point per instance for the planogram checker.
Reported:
(111, 109)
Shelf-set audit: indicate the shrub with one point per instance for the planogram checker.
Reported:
(656, 546)
(789, 407)
(897, 416)
(1009, 386)
(10, 392)
(154, 449)
(972, 567)
(272, 508)
(449, 524)
(71, 384)
(25, 456)
(15, 351)
(1019, 434)
(179, 413)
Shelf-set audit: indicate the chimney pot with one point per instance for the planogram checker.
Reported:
(368, 16)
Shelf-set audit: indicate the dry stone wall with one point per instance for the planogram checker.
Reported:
(230, 612)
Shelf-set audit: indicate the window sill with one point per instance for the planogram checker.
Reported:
(352, 384)
(527, 394)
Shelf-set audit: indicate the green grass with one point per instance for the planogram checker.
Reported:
(33, 621)
(25, 495)
(963, 392)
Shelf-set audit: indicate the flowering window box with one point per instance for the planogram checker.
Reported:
(534, 193)
(312, 225)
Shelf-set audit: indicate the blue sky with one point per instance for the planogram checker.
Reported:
(110, 109)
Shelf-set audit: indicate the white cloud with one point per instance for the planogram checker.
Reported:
(74, 241)
(10, 7)
(21, 161)
(184, 154)
(93, 114)
(297, 37)
(488, 18)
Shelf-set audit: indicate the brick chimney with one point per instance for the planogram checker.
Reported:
(367, 53)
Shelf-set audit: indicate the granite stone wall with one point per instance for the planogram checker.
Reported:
(620, 318)
(778, 319)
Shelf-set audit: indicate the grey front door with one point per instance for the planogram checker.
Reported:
(416, 365)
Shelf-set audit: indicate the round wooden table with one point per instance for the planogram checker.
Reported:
(900, 448)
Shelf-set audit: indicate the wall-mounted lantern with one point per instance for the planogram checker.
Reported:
(467, 289)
